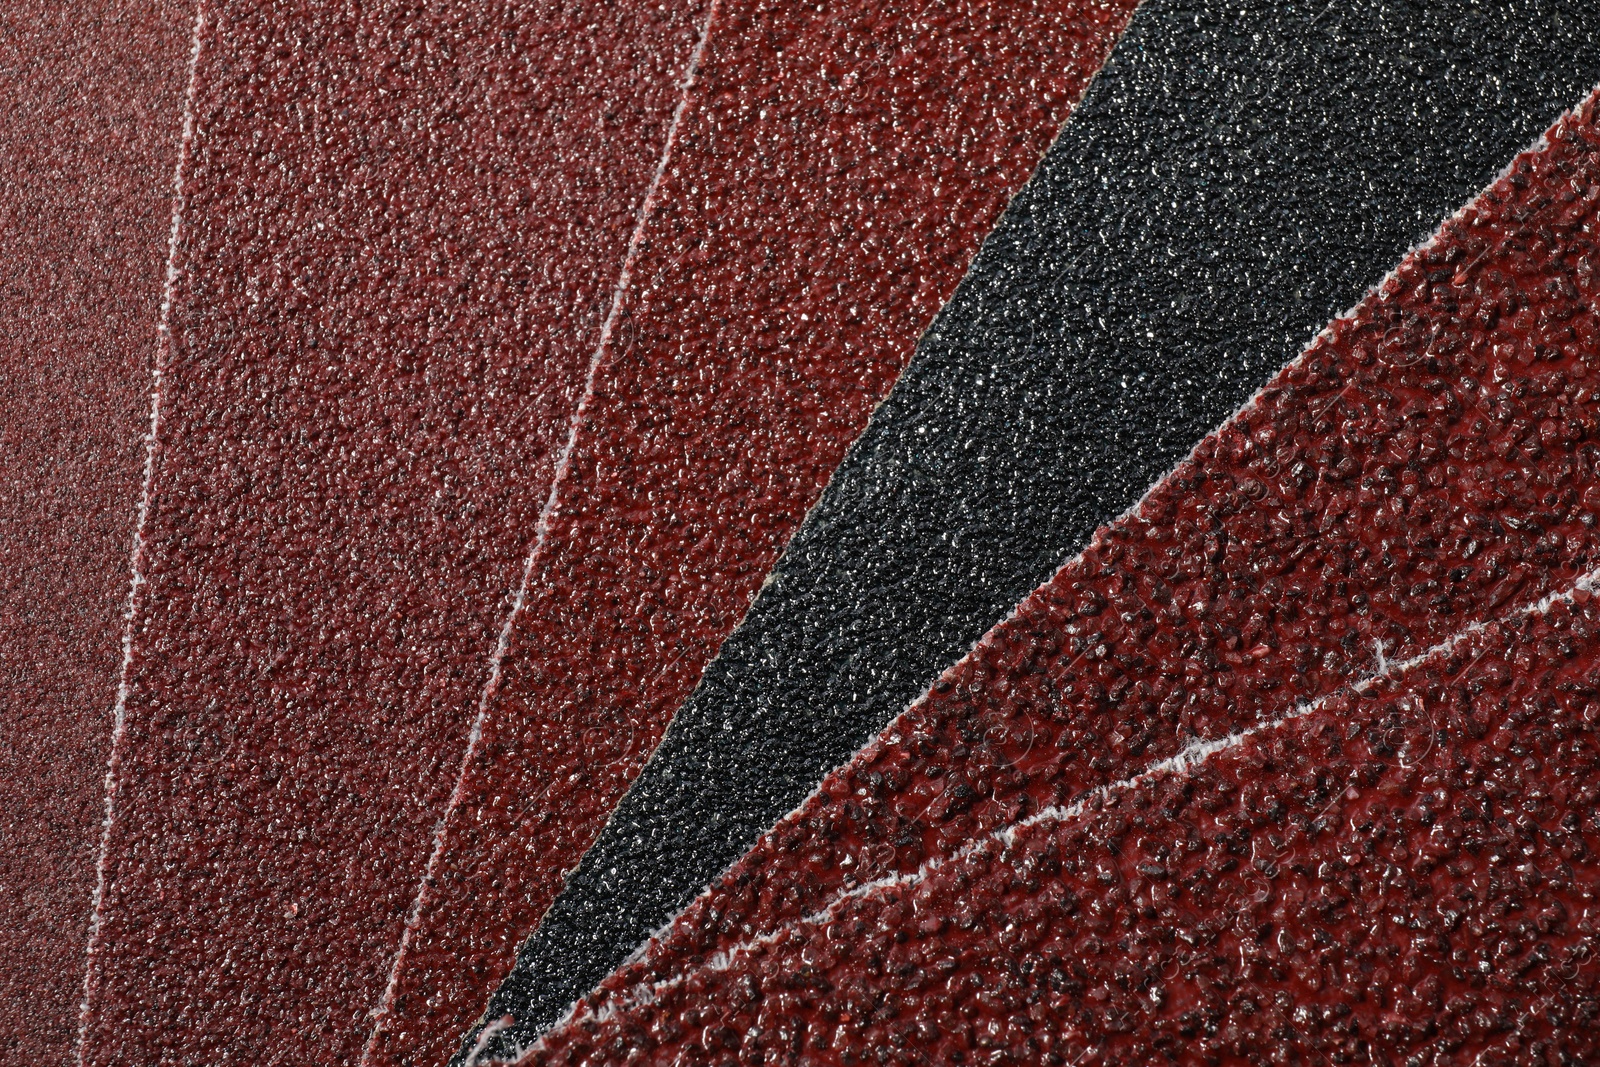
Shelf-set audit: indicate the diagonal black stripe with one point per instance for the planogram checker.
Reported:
(1236, 176)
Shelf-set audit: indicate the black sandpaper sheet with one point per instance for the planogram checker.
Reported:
(1238, 174)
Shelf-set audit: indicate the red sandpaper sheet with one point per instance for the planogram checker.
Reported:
(90, 109)
(401, 235)
(835, 172)
(1429, 461)
(1403, 873)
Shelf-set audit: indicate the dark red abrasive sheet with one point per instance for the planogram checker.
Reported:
(1405, 873)
(1429, 460)
(403, 230)
(91, 99)
(835, 172)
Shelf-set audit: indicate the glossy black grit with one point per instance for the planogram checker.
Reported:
(1237, 175)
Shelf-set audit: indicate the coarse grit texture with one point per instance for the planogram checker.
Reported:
(1406, 873)
(91, 101)
(1427, 463)
(400, 232)
(1235, 176)
(1181, 242)
(473, 470)
(834, 172)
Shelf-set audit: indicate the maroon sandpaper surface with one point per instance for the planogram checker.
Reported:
(1427, 462)
(402, 232)
(91, 101)
(835, 172)
(1404, 873)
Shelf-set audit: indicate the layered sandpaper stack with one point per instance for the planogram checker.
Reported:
(711, 532)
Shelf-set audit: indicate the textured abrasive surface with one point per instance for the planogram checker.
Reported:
(1234, 177)
(402, 232)
(1404, 874)
(835, 170)
(1428, 461)
(90, 109)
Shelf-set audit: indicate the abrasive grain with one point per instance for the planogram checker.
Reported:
(1405, 874)
(91, 100)
(836, 168)
(1431, 460)
(404, 225)
(1234, 177)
